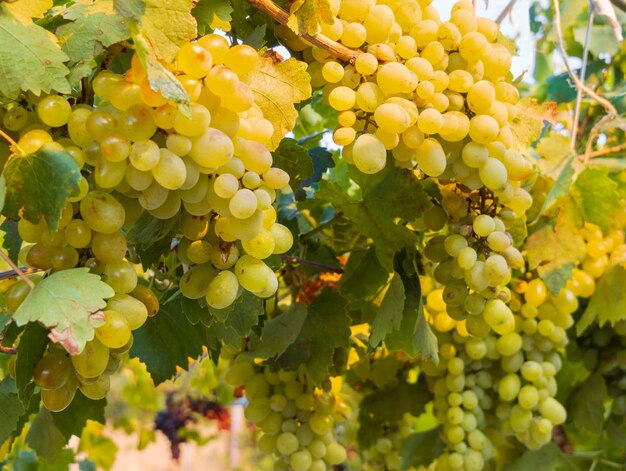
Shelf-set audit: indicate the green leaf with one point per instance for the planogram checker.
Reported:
(152, 237)
(391, 194)
(30, 59)
(306, 16)
(68, 302)
(72, 420)
(277, 87)
(100, 449)
(589, 412)
(556, 278)
(553, 146)
(548, 458)
(30, 350)
(389, 406)
(11, 240)
(363, 279)
(529, 121)
(26, 10)
(161, 80)
(295, 160)
(596, 195)
(206, 10)
(601, 40)
(281, 331)
(92, 28)
(195, 311)
(422, 447)
(242, 315)
(414, 335)
(3, 191)
(45, 437)
(389, 315)
(562, 184)
(39, 184)
(11, 408)
(608, 303)
(326, 328)
(166, 341)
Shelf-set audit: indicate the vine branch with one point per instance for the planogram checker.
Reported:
(599, 153)
(322, 266)
(581, 76)
(281, 16)
(507, 9)
(17, 269)
(8, 350)
(610, 109)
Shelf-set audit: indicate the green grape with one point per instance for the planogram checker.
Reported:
(115, 332)
(92, 361)
(261, 246)
(226, 185)
(431, 157)
(194, 227)
(40, 256)
(115, 147)
(276, 178)
(483, 225)
(301, 460)
(243, 204)
(54, 110)
(120, 276)
(134, 311)
(153, 197)
(253, 274)
(98, 389)
(147, 297)
(254, 155)
(109, 248)
(225, 257)
(466, 258)
(552, 410)
(212, 148)
(287, 443)
(335, 454)
(144, 155)
(239, 373)
(65, 258)
(392, 118)
(57, 400)
(194, 283)
(241, 59)
(15, 118)
(15, 295)
(52, 371)
(369, 154)
(78, 234)
(171, 171)
(194, 60)
(102, 212)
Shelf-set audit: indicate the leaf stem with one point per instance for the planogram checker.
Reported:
(10, 140)
(281, 16)
(608, 106)
(599, 153)
(311, 263)
(583, 72)
(16, 269)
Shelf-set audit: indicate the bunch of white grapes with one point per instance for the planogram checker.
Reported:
(420, 87)
(296, 420)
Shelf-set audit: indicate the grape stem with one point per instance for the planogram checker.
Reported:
(16, 269)
(8, 350)
(606, 104)
(301, 261)
(281, 16)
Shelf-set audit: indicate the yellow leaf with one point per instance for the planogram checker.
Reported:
(306, 16)
(168, 25)
(529, 121)
(26, 10)
(277, 87)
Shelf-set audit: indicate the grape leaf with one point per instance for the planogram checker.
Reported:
(529, 121)
(194, 311)
(72, 420)
(152, 237)
(92, 27)
(555, 245)
(562, 184)
(601, 40)
(277, 87)
(45, 437)
(100, 449)
(25, 10)
(326, 328)
(69, 302)
(389, 406)
(556, 278)
(364, 279)
(596, 195)
(205, 10)
(547, 458)
(3, 191)
(608, 303)
(30, 350)
(295, 160)
(553, 146)
(414, 334)
(11, 408)
(30, 58)
(167, 340)
(241, 315)
(11, 240)
(166, 26)
(161, 79)
(281, 331)
(422, 447)
(390, 194)
(39, 184)
(389, 315)
(306, 16)
(589, 412)
(322, 161)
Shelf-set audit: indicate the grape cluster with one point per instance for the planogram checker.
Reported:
(423, 88)
(178, 413)
(296, 419)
